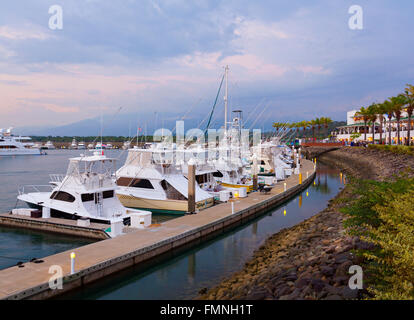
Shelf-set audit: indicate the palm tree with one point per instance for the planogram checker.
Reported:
(381, 110)
(313, 124)
(326, 121)
(398, 102)
(409, 93)
(277, 126)
(319, 123)
(389, 110)
(304, 124)
(373, 115)
(365, 114)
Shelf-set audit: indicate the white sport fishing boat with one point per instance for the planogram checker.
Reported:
(49, 146)
(150, 179)
(87, 190)
(74, 144)
(11, 145)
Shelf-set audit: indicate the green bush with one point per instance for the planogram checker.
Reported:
(397, 149)
(382, 213)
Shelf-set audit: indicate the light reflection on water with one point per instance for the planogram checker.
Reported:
(179, 276)
(182, 275)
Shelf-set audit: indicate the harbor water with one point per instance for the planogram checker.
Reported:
(181, 275)
(177, 275)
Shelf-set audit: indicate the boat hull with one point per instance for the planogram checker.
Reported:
(19, 152)
(178, 207)
(229, 185)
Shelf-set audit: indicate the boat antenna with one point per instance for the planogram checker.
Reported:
(215, 103)
(101, 131)
(226, 97)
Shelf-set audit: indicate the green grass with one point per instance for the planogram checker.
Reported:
(397, 149)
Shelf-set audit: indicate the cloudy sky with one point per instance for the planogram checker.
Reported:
(299, 59)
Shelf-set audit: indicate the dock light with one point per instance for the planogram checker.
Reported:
(307, 174)
(236, 194)
(232, 207)
(300, 178)
(314, 182)
(285, 186)
(307, 193)
(284, 212)
(72, 263)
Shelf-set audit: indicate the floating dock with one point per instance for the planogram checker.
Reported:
(55, 225)
(100, 259)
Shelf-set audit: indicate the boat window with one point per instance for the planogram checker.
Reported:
(87, 197)
(171, 192)
(202, 178)
(108, 194)
(262, 162)
(142, 183)
(8, 147)
(217, 174)
(134, 183)
(62, 196)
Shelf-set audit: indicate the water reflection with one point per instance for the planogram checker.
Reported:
(191, 267)
(184, 275)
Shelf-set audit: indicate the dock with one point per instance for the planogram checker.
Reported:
(100, 259)
(55, 225)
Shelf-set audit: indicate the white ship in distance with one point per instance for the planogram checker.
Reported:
(11, 145)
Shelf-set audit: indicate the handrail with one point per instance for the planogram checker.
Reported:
(36, 188)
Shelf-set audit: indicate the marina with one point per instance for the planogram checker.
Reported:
(99, 259)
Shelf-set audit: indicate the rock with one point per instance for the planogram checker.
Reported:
(343, 268)
(349, 293)
(343, 257)
(327, 271)
(202, 291)
(302, 282)
(257, 295)
(341, 280)
(317, 285)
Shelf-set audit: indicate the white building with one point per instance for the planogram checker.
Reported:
(355, 129)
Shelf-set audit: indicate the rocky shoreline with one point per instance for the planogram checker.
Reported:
(311, 260)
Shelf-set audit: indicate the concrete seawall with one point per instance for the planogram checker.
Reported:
(103, 258)
(45, 225)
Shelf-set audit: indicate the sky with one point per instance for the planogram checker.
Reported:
(289, 60)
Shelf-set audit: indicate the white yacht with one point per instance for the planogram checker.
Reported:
(11, 145)
(87, 190)
(74, 144)
(150, 179)
(81, 145)
(273, 160)
(126, 145)
(49, 146)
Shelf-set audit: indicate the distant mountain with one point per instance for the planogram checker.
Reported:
(126, 125)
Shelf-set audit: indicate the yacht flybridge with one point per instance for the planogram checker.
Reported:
(87, 190)
(11, 145)
(151, 179)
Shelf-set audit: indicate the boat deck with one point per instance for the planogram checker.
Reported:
(102, 258)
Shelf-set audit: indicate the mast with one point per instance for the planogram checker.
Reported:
(226, 98)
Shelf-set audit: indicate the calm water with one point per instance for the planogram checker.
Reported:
(177, 276)
(182, 275)
(23, 245)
